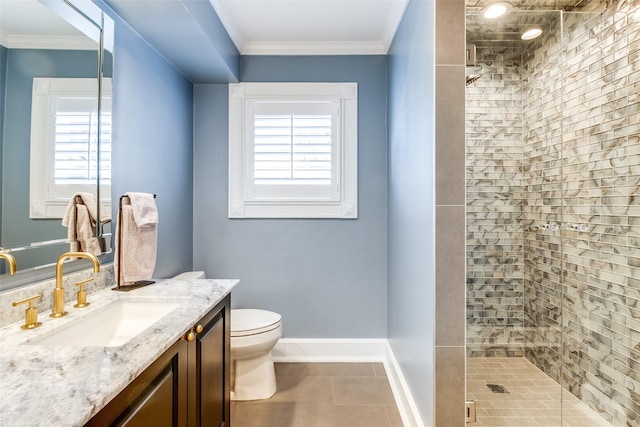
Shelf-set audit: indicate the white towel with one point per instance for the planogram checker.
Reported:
(86, 232)
(145, 211)
(80, 220)
(89, 200)
(136, 246)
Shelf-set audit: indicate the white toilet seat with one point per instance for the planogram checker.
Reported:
(246, 322)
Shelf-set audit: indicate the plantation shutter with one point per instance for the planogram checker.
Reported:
(295, 149)
(74, 145)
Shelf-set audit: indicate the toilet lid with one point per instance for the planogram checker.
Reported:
(249, 321)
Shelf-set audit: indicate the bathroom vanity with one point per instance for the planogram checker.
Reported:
(175, 372)
(187, 384)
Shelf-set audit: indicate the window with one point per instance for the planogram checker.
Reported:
(293, 150)
(64, 152)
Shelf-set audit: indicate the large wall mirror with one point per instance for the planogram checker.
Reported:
(56, 68)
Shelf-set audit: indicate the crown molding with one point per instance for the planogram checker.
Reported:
(314, 48)
(13, 41)
(226, 17)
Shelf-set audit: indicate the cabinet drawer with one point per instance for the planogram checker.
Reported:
(158, 397)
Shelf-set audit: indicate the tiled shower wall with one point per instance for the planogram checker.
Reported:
(580, 214)
(494, 203)
(601, 171)
(542, 207)
(583, 157)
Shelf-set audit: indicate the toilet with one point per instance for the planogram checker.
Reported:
(254, 333)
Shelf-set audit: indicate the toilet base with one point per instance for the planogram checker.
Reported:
(255, 378)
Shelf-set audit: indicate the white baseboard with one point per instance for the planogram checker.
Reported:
(329, 350)
(404, 399)
(302, 350)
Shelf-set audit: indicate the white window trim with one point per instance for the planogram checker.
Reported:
(241, 204)
(41, 204)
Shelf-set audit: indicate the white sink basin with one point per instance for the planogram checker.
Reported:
(111, 326)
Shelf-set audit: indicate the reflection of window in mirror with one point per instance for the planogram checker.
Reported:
(64, 149)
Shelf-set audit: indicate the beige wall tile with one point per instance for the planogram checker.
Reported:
(450, 136)
(450, 32)
(450, 392)
(450, 276)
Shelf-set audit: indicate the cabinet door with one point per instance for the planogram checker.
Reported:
(157, 397)
(209, 354)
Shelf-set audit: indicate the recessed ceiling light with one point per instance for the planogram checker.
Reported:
(496, 10)
(531, 33)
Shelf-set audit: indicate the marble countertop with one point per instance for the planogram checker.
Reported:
(66, 386)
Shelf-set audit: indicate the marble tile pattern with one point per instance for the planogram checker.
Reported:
(66, 386)
(538, 4)
(580, 167)
(506, 30)
(601, 176)
(542, 207)
(494, 203)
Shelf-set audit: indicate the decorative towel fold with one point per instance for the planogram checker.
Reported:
(80, 220)
(145, 211)
(135, 254)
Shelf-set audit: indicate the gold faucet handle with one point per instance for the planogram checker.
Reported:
(31, 313)
(82, 294)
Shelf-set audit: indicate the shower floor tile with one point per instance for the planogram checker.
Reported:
(533, 399)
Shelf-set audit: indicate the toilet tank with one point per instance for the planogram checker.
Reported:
(190, 275)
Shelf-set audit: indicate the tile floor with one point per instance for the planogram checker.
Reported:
(533, 398)
(323, 395)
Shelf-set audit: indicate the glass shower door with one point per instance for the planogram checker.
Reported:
(514, 218)
(601, 174)
(553, 219)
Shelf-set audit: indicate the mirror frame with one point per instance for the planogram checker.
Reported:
(96, 24)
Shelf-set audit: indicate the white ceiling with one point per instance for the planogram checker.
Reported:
(30, 24)
(310, 27)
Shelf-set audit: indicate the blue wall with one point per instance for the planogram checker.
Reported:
(326, 277)
(411, 231)
(152, 142)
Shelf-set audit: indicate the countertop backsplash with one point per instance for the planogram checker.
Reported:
(9, 314)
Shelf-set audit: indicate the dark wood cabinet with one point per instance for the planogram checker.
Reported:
(209, 362)
(157, 397)
(188, 385)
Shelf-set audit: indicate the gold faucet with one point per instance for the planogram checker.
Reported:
(58, 292)
(5, 255)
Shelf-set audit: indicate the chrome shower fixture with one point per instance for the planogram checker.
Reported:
(472, 78)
